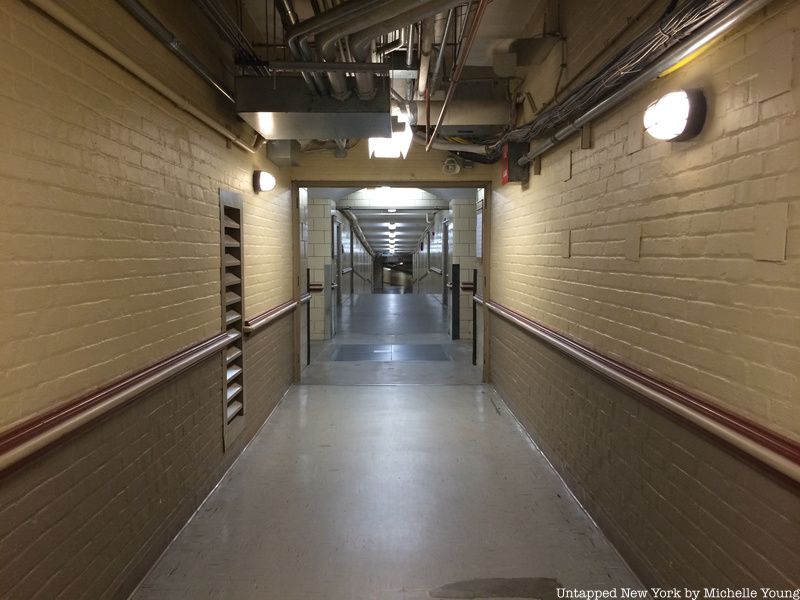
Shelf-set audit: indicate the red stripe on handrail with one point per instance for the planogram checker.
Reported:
(763, 436)
(36, 426)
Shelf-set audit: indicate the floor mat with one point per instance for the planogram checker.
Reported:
(390, 352)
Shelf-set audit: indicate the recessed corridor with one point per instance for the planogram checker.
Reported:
(392, 339)
(399, 299)
(388, 491)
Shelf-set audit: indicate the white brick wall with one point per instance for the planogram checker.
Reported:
(697, 309)
(319, 256)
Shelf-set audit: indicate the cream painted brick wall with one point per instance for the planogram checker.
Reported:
(267, 251)
(418, 165)
(109, 223)
(696, 309)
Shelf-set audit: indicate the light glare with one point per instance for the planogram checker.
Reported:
(676, 116)
(395, 146)
(263, 181)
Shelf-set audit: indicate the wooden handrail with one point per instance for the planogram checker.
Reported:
(769, 447)
(270, 316)
(33, 436)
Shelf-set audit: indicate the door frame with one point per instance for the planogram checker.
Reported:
(484, 261)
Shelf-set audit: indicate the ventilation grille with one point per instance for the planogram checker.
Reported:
(232, 286)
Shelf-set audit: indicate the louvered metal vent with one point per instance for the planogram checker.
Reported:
(232, 287)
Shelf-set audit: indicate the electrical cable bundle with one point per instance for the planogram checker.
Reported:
(676, 23)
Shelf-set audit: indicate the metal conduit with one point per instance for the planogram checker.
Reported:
(459, 67)
(410, 48)
(55, 11)
(230, 31)
(449, 146)
(425, 48)
(390, 47)
(437, 69)
(157, 29)
(326, 40)
(332, 18)
(299, 51)
(360, 42)
(713, 29)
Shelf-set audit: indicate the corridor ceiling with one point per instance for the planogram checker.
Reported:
(504, 22)
(414, 211)
(286, 90)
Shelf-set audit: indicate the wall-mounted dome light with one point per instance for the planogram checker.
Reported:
(263, 181)
(676, 116)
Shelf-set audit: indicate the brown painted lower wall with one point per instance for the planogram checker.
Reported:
(268, 371)
(681, 508)
(88, 518)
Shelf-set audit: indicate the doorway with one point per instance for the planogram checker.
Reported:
(399, 238)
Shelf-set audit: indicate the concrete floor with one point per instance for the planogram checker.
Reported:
(387, 492)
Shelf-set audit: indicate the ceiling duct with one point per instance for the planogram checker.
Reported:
(466, 118)
(283, 153)
(283, 108)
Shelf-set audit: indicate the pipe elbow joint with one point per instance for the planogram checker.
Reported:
(341, 96)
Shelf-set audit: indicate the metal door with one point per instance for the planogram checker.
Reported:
(445, 270)
(336, 272)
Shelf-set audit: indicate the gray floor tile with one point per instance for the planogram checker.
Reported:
(385, 492)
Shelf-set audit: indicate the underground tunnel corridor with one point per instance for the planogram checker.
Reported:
(394, 299)
(388, 338)
(385, 475)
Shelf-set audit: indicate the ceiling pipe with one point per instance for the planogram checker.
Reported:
(358, 231)
(426, 48)
(166, 37)
(461, 60)
(54, 10)
(360, 42)
(299, 48)
(326, 40)
(711, 30)
(333, 18)
(390, 47)
(410, 48)
(229, 29)
(450, 147)
(437, 69)
(297, 35)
